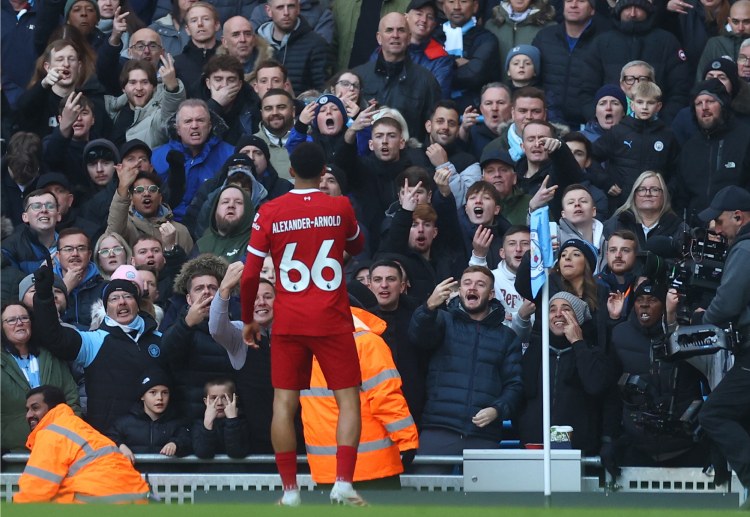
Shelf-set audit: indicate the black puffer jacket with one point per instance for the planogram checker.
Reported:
(632, 344)
(145, 436)
(409, 88)
(195, 358)
(629, 41)
(711, 161)
(230, 436)
(305, 54)
(580, 374)
(634, 146)
(189, 66)
(475, 365)
(561, 68)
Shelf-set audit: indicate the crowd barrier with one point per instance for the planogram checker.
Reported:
(182, 487)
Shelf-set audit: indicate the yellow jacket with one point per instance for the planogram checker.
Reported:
(71, 462)
(387, 425)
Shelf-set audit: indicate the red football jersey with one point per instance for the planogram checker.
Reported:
(306, 232)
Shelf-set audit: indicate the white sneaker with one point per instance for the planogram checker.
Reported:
(290, 498)
(344, 493)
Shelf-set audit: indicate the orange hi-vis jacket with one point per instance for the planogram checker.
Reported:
(71, 462)
(387, 425)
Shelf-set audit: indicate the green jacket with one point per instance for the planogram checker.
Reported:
(233, 246)
(515, 207)
(346, 16)
(14, 387)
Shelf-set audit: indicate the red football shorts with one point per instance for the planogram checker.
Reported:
(291, 360)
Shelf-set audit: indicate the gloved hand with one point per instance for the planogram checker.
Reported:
(44, 279)
(407, 457)
(608, 455)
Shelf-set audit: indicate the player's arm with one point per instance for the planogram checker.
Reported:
(355, 240)
(257, 249)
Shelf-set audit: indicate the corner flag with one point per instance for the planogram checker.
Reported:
(542, 256)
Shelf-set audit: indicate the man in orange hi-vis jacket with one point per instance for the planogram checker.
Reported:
(388, 428)
(70, 461)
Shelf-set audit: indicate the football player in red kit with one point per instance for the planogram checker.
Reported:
(306, 232)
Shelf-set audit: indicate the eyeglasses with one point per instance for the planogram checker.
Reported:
(70, 249)
(743, 60)
(101, 153)
(117, 250)
(14, 320)
(140, 189)
(630, 80)
(347, 84)
(38, 205)
(115, 298)
(651, 191)
(140, 47)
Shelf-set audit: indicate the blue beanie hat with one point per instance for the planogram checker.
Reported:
(325, 99)
(611, 90)
(526, 50)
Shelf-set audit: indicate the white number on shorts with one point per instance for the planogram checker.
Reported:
(322, 262)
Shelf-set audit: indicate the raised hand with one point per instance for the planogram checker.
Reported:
(481, 242)
(231, 410)
(441, 293)
(409, 199)
(307, 114)
(70, 113)
(168, 73)
(231, 279)
(615, 303)
(198, 312)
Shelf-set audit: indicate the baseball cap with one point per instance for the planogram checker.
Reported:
(727, 199)
(134, 144)
(418, 4)
(53, 178)
(496, 155)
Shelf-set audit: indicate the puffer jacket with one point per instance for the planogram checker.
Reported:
(634, 146)
(670, 225)
(629, 41)
(559, 72)
(510, 34)
(387, 426)
(305, 54)
(475, 365)
(55, 473)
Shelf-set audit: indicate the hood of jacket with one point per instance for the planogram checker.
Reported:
(90, 277)
(232, 245)
(495, 317)
(367, 321)
(266, 32)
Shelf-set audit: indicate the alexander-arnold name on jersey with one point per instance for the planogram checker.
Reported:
(304, 223)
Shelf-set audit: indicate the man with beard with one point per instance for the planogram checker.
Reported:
(277, 114)
(55, 442)
(728, 42)
(230, 225)
(701, 174)
(618, 276)
(474, 377)
(145, 106)
(137, 210)
(528, 103)
(441, 150)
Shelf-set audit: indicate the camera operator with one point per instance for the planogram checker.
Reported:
(727, 408)
(654, 393)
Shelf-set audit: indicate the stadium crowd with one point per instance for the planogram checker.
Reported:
(141, 136)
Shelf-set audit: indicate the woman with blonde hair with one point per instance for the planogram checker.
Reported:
(647, 211)
(111, 251)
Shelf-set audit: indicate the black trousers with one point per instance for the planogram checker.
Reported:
(725, 414)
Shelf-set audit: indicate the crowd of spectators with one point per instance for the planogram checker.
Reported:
(140, 138)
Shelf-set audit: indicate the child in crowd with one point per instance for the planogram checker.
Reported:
(640, 142)
(152, 426)
(523, 66)
(223, 430)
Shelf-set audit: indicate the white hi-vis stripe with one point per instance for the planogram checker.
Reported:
(43, 474)
(326, 450)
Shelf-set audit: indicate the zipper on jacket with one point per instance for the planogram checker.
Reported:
(471, 376)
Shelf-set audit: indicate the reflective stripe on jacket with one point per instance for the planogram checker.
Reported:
(387, 425)
(71, 462)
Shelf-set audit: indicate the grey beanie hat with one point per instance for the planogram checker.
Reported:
(580, 307)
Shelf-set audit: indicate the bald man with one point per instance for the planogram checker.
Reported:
(416, 91)
(143, 44)
(239, 40)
